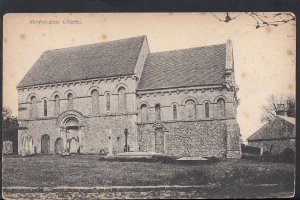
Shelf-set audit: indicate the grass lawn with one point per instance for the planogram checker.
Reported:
(87, 170)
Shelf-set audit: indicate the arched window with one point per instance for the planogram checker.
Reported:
(95, 102)
(206, 105)
(107, 101)
(45, 108)
(174, 112)
(190, 109)
(221, 107)
(144, 112)
(33, 107)
(157, 112)
(122, 99)
(56, 105)
(70, 101)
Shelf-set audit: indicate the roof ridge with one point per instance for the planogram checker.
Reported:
(288, 119)
(192, 48)
(84, 45)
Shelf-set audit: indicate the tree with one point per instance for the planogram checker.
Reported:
(10, 128)
(291, 103)
(9, 122)
(274, 104)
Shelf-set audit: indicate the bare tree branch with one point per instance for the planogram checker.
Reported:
(269, 110)
(216, 17)
(227, 18)
(261, 19)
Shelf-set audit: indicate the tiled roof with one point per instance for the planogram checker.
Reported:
(107, 59)
(278, 128)
(186, 67)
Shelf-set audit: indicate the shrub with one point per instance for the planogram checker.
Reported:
(267, 156)
(249, 156)
(250, 150)
(287, 155)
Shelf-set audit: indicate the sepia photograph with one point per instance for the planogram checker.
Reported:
(149, 105)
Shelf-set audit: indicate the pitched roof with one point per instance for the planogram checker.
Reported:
(278, 128)
(186, 67)
(107, 59)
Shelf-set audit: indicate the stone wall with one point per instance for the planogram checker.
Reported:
(233, 139)
(37, 128)
(95, 134)
(167, 99)
(100, 130)
(184, 138)
(82, 97)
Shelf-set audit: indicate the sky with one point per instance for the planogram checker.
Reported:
(264, 58)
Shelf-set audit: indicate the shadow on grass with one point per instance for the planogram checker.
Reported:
(161, 159)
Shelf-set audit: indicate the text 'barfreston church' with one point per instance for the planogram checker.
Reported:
(90, 98)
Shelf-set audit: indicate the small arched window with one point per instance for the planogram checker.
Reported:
(190, 109)
(122, 99)
(157, 112)
(221, 107)
(144, 112)
(70, 101)
(56, 105)
(45, 108)
(174, 112)
(95, 101)
(107, 101)
(206, 105)
(33, 107)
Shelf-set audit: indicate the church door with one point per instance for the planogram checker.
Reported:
(59, 146)
(45, 144)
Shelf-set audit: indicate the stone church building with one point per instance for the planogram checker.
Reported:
(90, 98)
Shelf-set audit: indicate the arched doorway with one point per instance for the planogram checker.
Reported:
(74, 145)
(27, 145)
(58, 146)
(72, 130)
(45, 144)
(71, 123)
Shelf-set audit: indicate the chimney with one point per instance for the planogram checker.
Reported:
(229, 70)
(229, 55)
(281, 110)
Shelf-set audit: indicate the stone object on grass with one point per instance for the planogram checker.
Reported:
(7, 147)
(27, 145)
(191, 158)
